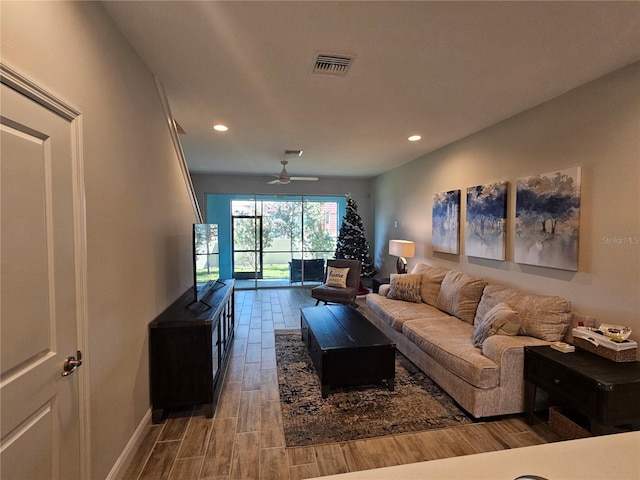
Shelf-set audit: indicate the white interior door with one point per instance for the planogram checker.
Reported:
(39, 308)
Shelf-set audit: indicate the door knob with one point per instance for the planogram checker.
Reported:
(71, 363)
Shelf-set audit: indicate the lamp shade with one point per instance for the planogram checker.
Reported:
(402, 248)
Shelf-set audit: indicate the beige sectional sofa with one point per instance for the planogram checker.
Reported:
(432, 315)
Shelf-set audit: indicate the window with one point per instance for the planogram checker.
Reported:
(270, 235)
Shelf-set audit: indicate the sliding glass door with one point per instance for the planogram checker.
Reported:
(275, 240)
(283, 236)
(320, 228)
(247, 246)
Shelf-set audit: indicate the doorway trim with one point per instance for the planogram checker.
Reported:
(11, 78)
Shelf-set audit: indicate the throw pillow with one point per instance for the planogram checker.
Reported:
(405, 287)
(336, 277)
(500, 320)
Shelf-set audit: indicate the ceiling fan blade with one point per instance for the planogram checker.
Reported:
(309, 179)
(284, 177)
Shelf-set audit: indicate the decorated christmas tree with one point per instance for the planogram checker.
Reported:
(352, 243)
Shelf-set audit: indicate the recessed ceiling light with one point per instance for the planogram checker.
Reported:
(220, 128)
(414, 138)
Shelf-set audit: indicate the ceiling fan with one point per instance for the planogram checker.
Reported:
(283, 178)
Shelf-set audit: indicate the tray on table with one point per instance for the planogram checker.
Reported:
(595, 342)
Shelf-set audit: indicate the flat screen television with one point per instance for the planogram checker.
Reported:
(206, 256)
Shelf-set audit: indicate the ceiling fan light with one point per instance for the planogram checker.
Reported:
(284, 178)
(220, 128)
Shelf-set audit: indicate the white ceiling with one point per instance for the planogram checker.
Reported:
(439, 69)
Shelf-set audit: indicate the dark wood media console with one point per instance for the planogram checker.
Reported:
(189, 345)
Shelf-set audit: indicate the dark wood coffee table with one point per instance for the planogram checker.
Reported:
(346, 348)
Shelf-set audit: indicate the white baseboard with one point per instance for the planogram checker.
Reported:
(120, 466)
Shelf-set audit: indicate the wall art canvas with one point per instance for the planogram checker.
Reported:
(445, 231)
(548, 219)
(486, 221)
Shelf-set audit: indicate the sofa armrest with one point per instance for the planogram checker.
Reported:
(504, 348)
(384, 289)
(508, 352)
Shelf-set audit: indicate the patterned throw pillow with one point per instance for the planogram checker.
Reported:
(500, 320)
(336, 277)
(405, 287)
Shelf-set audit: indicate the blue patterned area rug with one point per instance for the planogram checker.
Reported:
(355, 413)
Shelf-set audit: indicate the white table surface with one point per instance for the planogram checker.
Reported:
(607, 457)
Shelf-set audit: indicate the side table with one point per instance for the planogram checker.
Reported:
(607, 392)
(376, 282)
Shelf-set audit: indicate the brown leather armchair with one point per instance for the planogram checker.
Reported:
(326, 294)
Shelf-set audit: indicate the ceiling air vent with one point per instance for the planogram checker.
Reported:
(334, 65)
(297, 153)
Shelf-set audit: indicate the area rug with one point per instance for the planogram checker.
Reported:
(354, 413)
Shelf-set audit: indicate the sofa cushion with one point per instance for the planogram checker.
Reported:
(405, 287)
(541, 316)
(448, 342)
(460, 294)
(431, 280)
(325, 293)
(500, 320)
(394, 313)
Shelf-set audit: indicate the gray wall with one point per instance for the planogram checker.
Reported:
(597, 127)
(139, 213)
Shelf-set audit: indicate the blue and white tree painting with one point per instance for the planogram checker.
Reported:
(445, 231)
(486, 221)
(548, 219)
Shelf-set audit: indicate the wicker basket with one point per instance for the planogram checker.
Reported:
(628, 355)
(565, 424)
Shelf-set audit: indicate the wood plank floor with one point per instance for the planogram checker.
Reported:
(245, 439)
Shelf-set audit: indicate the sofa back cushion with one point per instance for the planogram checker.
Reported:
(460, 295)
(541, 316)
(431, 281)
